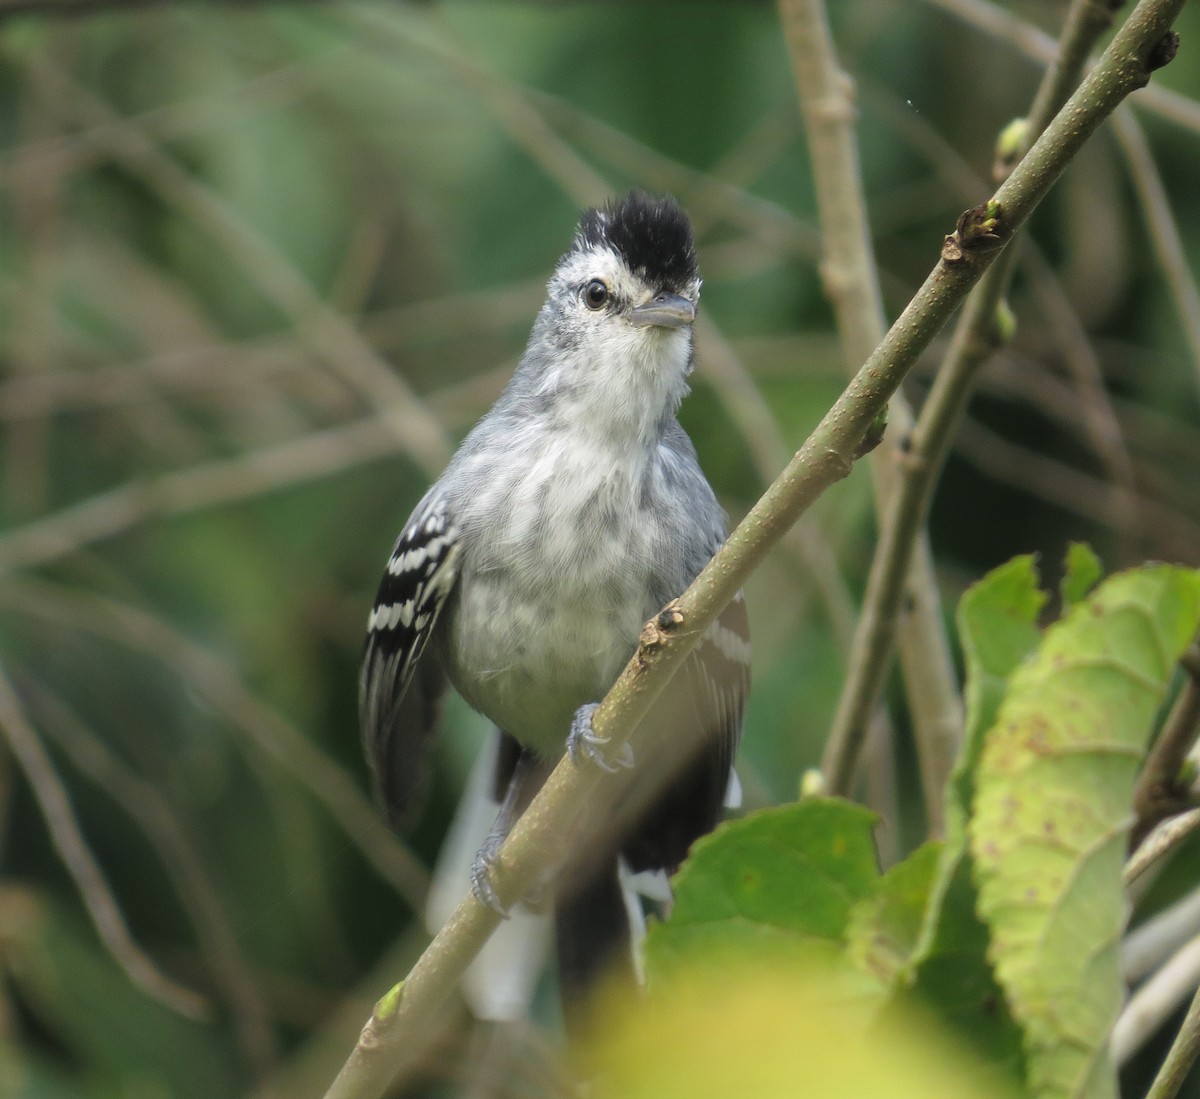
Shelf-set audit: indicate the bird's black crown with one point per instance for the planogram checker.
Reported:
(652, 235)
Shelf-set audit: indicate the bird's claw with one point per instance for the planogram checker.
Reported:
(481, 874)
(585, 745)
(481, 879)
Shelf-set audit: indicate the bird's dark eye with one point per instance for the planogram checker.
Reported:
(595, 294)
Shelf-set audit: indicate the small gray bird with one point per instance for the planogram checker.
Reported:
(572, 512)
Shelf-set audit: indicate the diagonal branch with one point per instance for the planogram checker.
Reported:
(1180, 1057)
(1160, 788)
(851, 282)
(929, 442)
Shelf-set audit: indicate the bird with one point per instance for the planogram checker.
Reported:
(571, 513)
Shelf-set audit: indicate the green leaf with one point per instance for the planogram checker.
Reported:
(883, 928)
(781, 882)
(1051, 817)
(952, 976)
(771, 1031)
(1083, 570)
(997, 619)
(997, 622)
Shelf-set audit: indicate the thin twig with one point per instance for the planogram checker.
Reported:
(193, 370)
(1163, 451)
(929, 443)
(1158, 789)
(1167, 836)
(80, 149)
(1151, 943)
(263, 727)
(827, 456)
(1034, 43)
(851, 283)
(331, 334)
(85, 871)
(1173, 106)
(205, 485)
(1099, 419)
(159, 824)
(1180, 1057)
(1075, 491)
(1002, 24)
(1156, 1001)
(773, 227)
(1164, 230)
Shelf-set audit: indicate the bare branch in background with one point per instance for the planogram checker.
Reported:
(85, 871)
(974, 339)
(161, 827)
(1156, 1001)
(849, 275)
(1076, 492)
(1180, 1057)
(263, 727)
(1164, 231)
(201, 486)
(331, 334)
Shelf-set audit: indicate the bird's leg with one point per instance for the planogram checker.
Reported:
(528, 775)
(585, 745)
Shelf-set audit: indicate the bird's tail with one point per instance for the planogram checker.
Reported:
(594, 939)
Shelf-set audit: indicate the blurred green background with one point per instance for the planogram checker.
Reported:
(262, 265)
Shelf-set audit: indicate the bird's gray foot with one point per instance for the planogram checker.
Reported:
(585, 746)
(481, 872)
(481, 879)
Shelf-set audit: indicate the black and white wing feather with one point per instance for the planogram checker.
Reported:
(399, 692)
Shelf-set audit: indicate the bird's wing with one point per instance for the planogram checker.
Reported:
(399, 692)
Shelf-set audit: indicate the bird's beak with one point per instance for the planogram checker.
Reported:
(663, 311)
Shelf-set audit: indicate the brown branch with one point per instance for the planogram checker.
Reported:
(1161, 787)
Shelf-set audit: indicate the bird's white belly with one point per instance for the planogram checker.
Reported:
(541, 663)
(549, 611)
